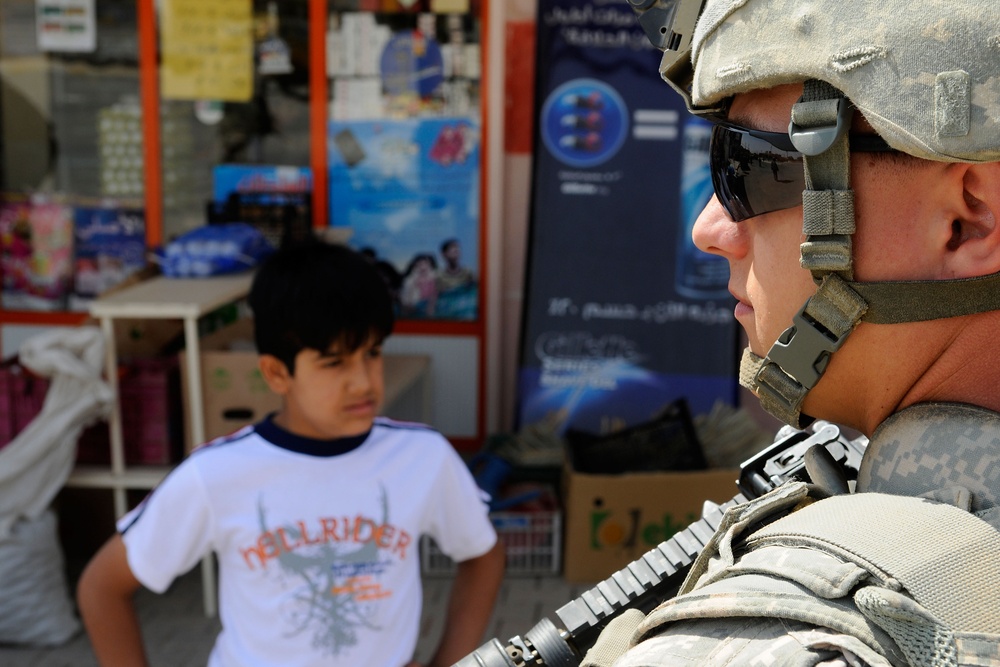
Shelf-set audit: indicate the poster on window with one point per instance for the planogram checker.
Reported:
(622, 314)
(409, 192)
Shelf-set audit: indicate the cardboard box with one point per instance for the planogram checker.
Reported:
(232, 388)
(612, 520)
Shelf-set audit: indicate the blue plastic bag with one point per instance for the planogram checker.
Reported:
(214, 250)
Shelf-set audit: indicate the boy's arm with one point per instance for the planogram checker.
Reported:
(470, 605)
(104, 595)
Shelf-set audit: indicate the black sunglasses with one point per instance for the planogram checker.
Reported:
(756, 172)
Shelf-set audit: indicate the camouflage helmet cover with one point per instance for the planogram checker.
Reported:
(925, 74)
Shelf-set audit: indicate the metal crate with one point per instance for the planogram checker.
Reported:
(532, 542)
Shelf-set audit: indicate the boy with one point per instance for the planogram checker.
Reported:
(315, 513)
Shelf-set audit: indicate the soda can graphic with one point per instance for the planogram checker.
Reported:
(699, 275)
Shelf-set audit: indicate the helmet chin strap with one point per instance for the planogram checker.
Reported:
(799, 357)
(819, 129)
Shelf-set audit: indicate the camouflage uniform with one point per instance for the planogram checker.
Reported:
(788, 605)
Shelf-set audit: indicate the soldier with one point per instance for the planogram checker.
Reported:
(869, 288)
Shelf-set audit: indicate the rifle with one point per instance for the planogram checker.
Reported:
(658, 574)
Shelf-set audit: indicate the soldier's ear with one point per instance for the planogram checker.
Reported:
(974, 242)
(275, 373)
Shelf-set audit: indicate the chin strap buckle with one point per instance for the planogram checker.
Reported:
(799, 357)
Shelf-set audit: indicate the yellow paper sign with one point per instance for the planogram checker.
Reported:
(450, 6)
(207, 50)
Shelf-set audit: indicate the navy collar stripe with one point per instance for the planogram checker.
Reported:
(279, 437)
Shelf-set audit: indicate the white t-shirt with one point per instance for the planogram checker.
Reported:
(317, 541)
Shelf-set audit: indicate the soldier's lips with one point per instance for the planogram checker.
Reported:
(743, 307)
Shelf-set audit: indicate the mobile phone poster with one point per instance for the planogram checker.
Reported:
(622, 314)
(409, 191)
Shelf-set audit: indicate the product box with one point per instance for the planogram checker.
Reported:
(233, 390)
(280, 182)
(36, 239)
(612, 520)
(273, 199)
(110, 246)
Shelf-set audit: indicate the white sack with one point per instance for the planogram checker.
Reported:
(36, 463)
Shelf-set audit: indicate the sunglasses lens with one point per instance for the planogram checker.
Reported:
(753, 176)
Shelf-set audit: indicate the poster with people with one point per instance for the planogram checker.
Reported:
(409, 192)
(622, 314)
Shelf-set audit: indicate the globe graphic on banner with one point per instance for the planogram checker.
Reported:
(583, 122)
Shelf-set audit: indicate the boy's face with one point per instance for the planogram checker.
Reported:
(333, 394)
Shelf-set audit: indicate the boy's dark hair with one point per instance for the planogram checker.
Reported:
(314, 294)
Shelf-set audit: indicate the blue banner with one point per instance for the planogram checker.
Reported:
(622, 314)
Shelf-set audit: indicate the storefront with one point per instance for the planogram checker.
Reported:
(125, 124)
